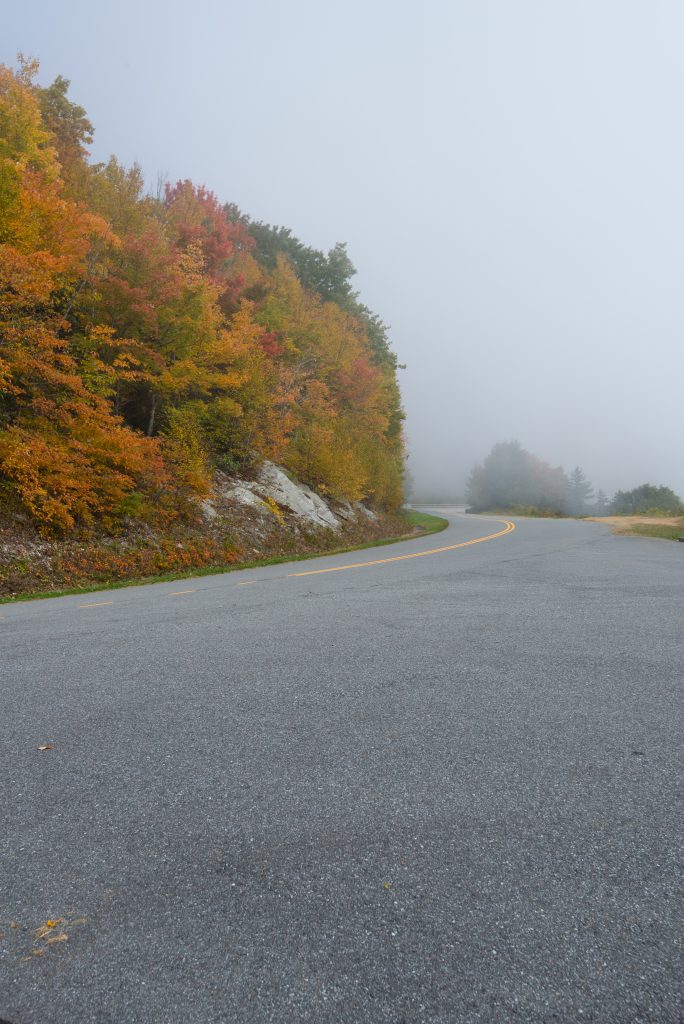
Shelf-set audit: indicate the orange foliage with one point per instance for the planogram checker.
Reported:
(63, 454)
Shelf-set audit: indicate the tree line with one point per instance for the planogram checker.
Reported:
(512, 478)
(147, 341)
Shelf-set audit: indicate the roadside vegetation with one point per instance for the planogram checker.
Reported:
(662, 526)
(423, 522)
(96, 568)
(670, 530)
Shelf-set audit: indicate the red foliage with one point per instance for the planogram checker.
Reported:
(271, 344)
(195, 215)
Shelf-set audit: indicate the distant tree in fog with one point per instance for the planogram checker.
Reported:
(579, 493)
(511, 477)
(600, 504)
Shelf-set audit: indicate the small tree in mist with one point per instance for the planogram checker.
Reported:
(511, 477)
(579, 493)
(645, 498)
(600, 504)
(409, 483)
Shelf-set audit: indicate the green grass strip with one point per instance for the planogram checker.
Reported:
(663, 531)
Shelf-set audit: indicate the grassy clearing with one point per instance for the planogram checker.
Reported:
(420, 523)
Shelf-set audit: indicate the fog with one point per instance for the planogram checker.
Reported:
(508, 178)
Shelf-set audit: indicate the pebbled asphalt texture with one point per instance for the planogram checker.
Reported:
(443, 789)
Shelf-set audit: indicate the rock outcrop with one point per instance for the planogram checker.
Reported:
(273, 488)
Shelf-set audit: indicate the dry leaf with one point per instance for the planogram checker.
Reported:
(60, 937)
(45, 746)
(46, 928)
(387, 885)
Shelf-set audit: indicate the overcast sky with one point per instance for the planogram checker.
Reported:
(508, 175)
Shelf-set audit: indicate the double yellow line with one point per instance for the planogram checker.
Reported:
(508, 528)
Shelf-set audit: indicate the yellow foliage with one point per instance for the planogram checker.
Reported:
(273, 507)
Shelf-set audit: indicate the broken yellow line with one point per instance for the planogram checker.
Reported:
(95, 604)
(177, 593)
(508, 528)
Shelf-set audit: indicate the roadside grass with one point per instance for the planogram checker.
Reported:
(426, 522)
(664, 531)
(421, 524)
(671, 528)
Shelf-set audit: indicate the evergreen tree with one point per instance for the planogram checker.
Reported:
(580, 493)
(600, 503)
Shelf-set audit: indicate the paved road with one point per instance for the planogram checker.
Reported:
(436, 789)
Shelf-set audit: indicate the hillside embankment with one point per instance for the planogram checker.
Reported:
(156, 351)
(269, 517)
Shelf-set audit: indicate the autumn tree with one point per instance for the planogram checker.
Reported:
(63, 456)
(341, 412)
(194, 216)
(70, 131)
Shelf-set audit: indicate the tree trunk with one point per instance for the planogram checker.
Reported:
(153, 409)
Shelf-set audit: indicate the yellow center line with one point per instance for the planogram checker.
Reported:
(508, 528)
(177, 593)
(247, 583)
(95, 604)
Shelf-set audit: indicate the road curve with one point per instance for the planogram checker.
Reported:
(436, 782)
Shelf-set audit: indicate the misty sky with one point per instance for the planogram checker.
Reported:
(508, 175)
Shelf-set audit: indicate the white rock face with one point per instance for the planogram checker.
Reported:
(367, 512)
(301, 500)
(241, 491)
(273, 482)
(208, 509)
(345, 510)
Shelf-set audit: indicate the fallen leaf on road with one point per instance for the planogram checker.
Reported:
(50, 933)
(387, 885)
(45, 746)
(46, 928)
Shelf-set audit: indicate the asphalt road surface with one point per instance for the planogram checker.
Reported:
(439, 788)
